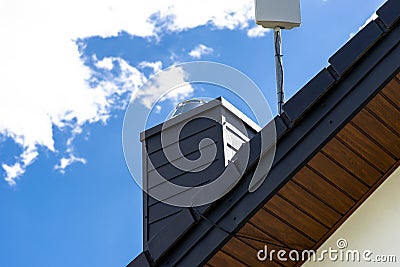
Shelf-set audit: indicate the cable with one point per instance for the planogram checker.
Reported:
(279, 69)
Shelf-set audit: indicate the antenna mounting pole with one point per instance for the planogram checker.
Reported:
(279, 68)
(277, 15)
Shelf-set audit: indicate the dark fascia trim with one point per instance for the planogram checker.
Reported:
(142, 260)
(342, 61)
(305, 98)
(347, 56)
(389, 13)
(296, 147)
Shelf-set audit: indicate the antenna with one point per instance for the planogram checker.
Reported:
(277, 15)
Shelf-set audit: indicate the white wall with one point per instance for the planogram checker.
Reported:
(375, 226)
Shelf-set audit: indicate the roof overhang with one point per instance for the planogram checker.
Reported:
(338, 140)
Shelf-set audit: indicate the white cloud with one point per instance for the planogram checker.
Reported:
(61, 102)
(43, 81)
(257, 31)
(113, 87)
(186, 14)
(17, 169)
(156, 66)
(168, 79)
(67, 161)
(373, 17)
(13, 172)
(107, 63)
(200, 50)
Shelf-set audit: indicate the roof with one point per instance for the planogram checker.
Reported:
(338, 140)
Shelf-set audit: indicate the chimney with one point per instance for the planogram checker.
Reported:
(191, 127)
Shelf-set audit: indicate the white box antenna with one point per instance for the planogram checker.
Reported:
(278, 14)
(284, 14)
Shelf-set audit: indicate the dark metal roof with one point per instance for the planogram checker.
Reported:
(357, 72)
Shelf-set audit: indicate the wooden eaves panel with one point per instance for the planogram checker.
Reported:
(327, 190)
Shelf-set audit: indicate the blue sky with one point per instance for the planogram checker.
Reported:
(68, 72)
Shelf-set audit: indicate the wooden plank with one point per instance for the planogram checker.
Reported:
(249, 230)
(351, 161)
(392, 91)
(310, 204)
(355, 207)
(378, 132)
(280, 230)
(259, 244)
(386, 112)
(296, 217)
(337, 175)
(323, 190)
(222, 259)
(245, 253)
(366, 147)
